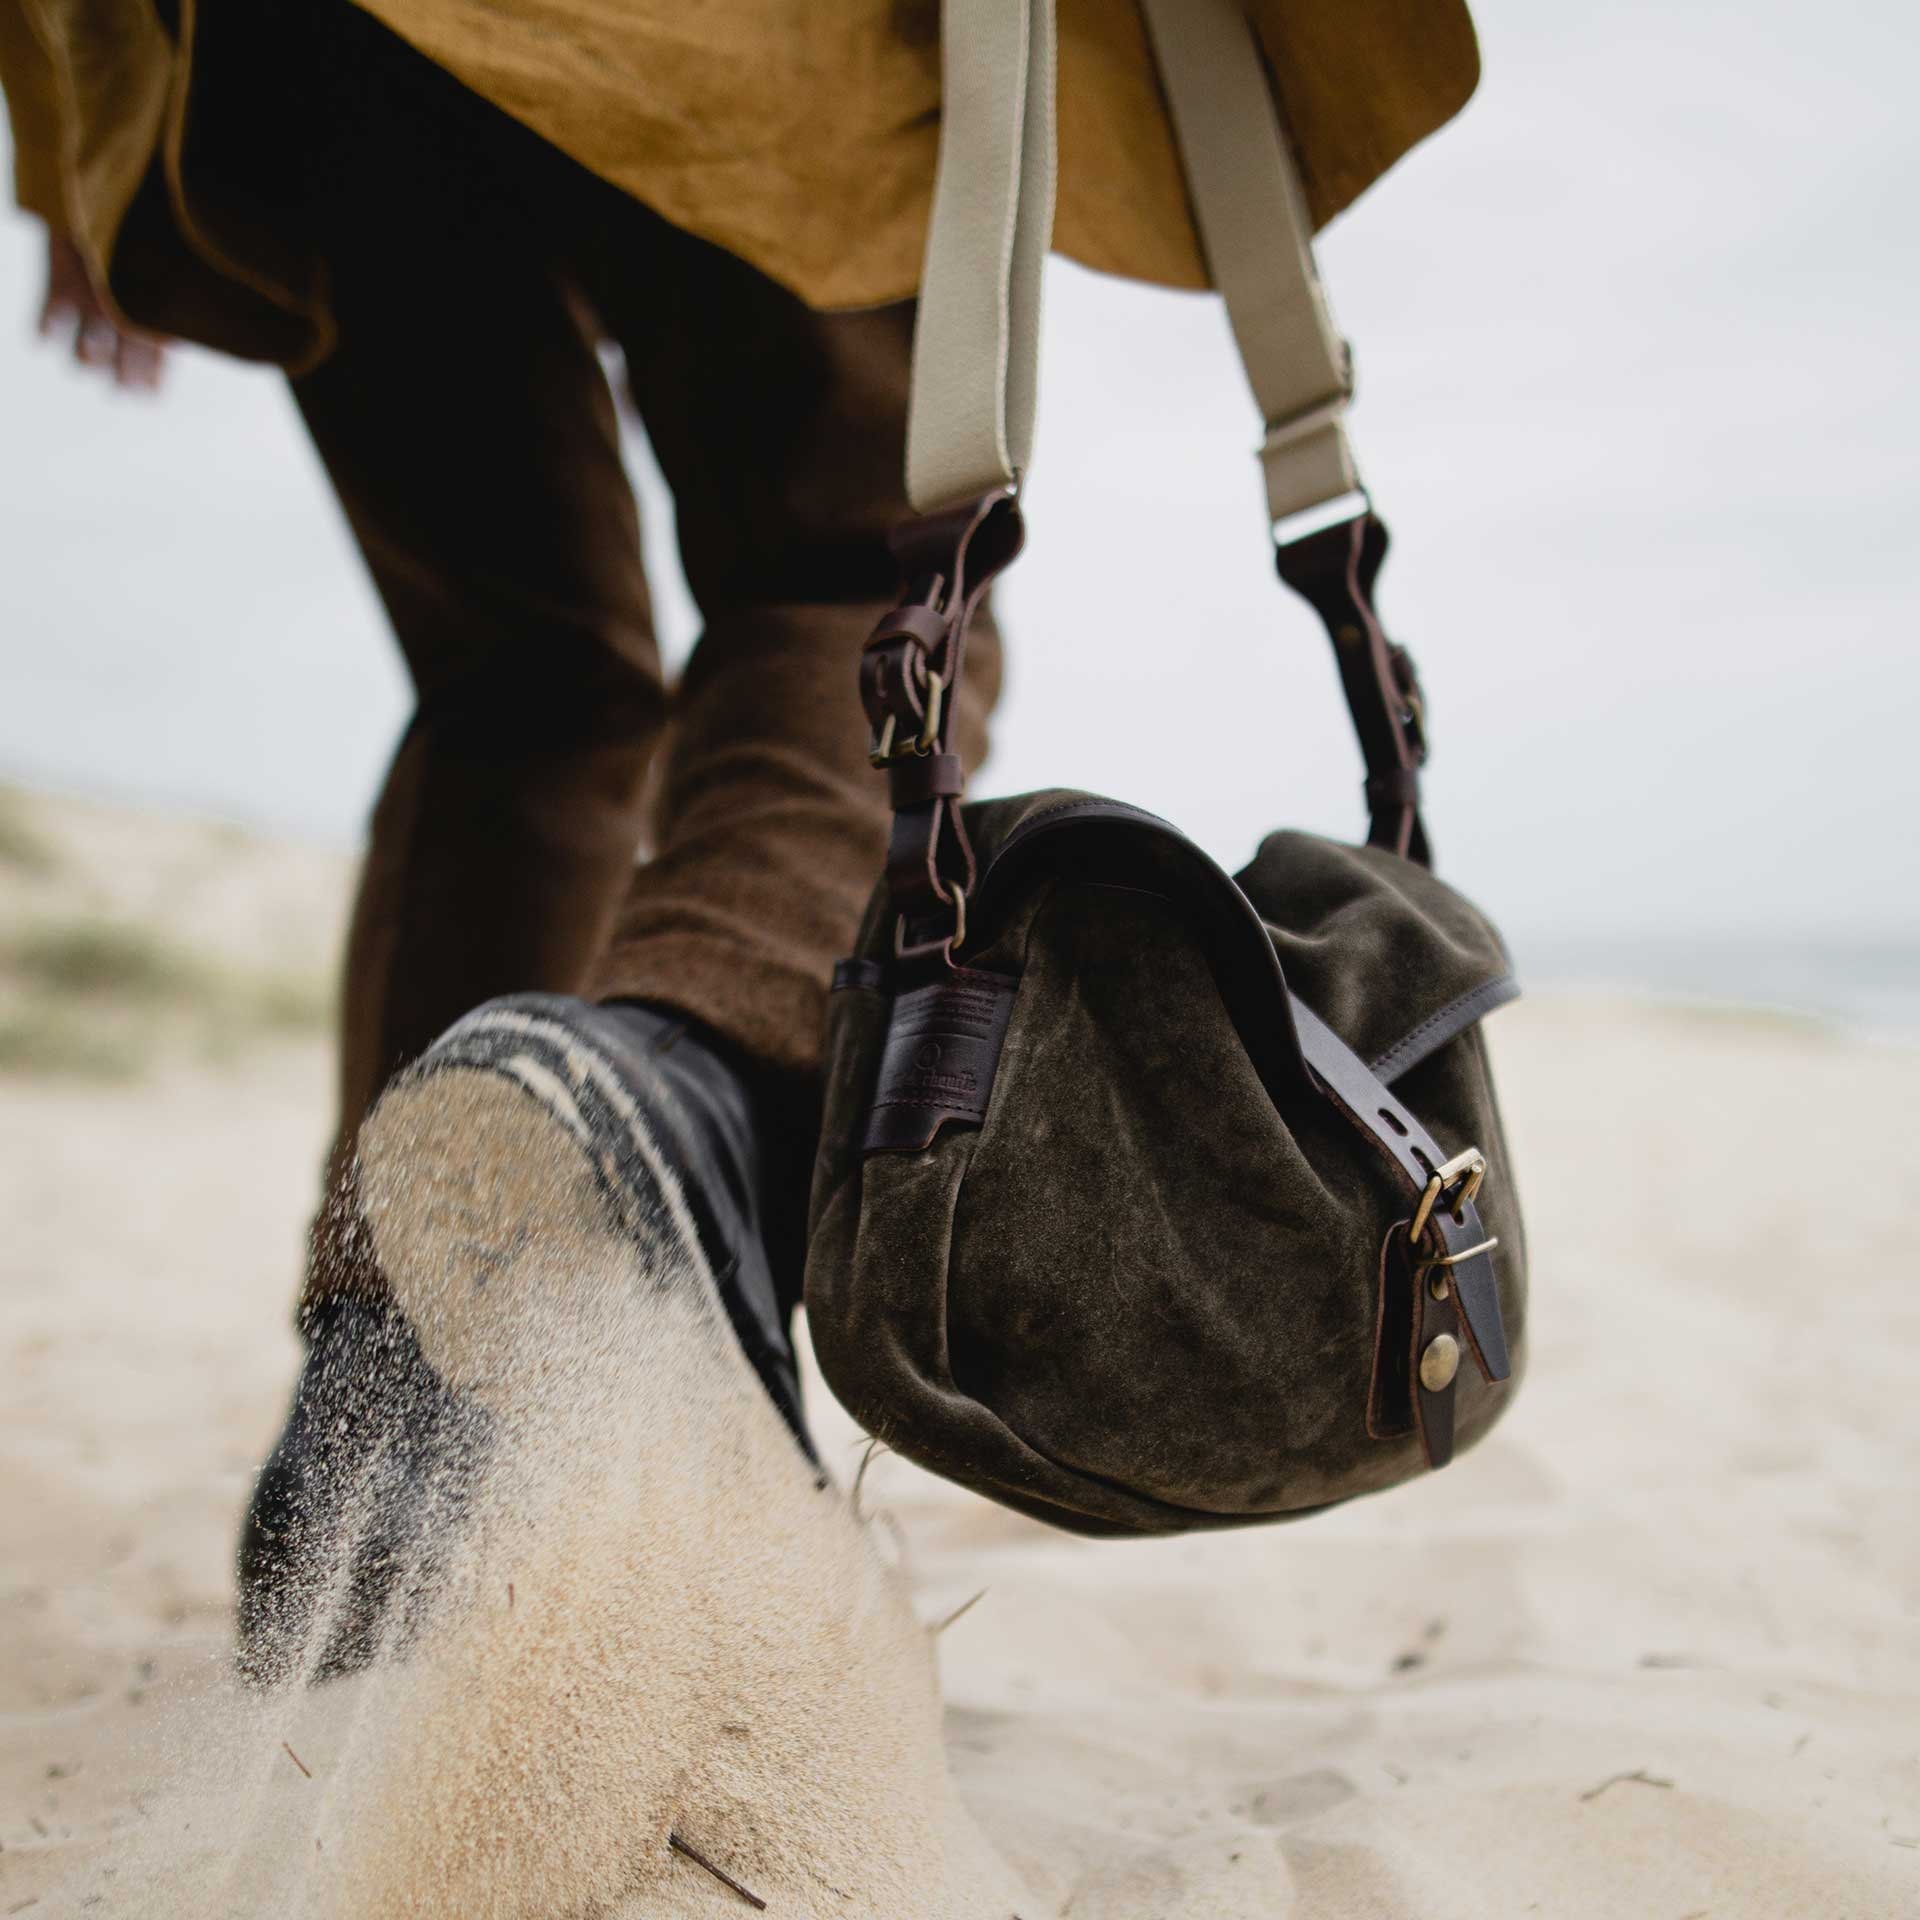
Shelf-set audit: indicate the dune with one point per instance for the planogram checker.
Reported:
(1652, 1650)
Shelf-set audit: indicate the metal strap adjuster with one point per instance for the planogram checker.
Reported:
(1455, 1183)
(886, 746)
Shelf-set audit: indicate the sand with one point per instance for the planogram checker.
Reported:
(1653, 1650)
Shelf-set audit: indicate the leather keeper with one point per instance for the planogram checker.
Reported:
(855, 975)
(926, 627)
(1334, 571)
(920, 777)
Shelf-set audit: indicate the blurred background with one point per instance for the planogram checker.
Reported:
(1634, 340)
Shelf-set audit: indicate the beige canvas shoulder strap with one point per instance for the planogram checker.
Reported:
(1253, 222)
(976, 348)
(970, 426)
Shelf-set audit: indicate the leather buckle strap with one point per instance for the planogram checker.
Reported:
(1437, 1273)
(1419, 1335)
(1334, 571)
(911, 673)
(902, 693)
(1442, 1190)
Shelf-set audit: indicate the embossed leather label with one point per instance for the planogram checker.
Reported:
(942, 1050)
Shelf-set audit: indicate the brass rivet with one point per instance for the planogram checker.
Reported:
(1439, 1286)
(1440, 1363)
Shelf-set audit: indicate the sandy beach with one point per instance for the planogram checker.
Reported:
(1651, 1653)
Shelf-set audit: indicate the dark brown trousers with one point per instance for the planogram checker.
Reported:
(469, 429)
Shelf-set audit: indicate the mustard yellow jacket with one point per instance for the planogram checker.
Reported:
(799, 134)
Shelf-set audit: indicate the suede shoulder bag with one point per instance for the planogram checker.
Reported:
(1149, 1197)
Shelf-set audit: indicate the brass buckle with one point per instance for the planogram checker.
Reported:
(884, 750)
(1466, 1171)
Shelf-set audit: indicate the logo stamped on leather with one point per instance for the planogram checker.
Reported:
(942, 1051)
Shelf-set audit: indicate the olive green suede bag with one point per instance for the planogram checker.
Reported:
(1150, 1197)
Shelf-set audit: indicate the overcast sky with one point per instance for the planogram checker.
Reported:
(1636, 341)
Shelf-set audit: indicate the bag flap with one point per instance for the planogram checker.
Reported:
(1392, 959)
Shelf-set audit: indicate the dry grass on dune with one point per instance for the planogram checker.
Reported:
(118, 955)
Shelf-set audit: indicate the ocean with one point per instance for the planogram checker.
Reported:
(1868, 987)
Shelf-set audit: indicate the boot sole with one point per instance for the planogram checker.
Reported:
(510, 1182)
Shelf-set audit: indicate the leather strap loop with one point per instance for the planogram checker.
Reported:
(1334, 571)
(948, 560)
(923, 777)
(922, 626)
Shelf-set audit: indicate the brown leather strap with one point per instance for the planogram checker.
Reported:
(921, 777)
(1434, 1338)
(1452, 1230)
(1334, 571)
(1418, 1333)
(910, 677)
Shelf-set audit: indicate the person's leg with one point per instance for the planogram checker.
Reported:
(782, 433)
(468, 430)
(544, 1127)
